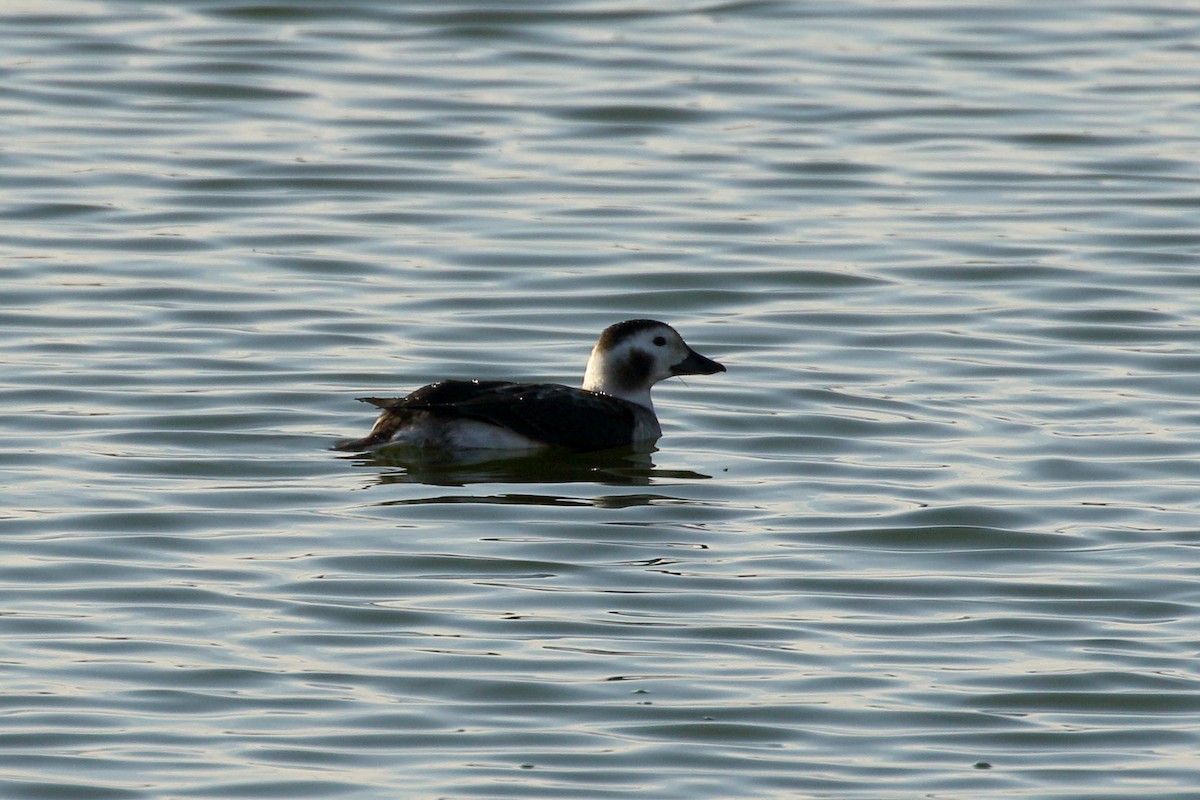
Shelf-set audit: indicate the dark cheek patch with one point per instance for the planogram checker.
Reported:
(635, 371)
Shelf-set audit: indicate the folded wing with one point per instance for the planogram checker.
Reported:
(572, 418)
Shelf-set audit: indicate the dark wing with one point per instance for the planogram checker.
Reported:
(398, 411)
(547, 412)
(442, 393)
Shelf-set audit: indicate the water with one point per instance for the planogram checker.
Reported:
(933, 535)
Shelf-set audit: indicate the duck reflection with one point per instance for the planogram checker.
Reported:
(618, 467)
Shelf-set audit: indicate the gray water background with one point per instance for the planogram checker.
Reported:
(933, 535)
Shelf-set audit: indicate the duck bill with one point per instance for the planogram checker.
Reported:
(696, 364)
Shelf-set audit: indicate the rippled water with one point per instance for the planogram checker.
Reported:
(933, 535)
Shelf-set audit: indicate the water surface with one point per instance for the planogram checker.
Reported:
(933, 535)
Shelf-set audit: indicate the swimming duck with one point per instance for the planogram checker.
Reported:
(611, 409)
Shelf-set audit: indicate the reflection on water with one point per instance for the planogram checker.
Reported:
(601, 501)
(619, 467)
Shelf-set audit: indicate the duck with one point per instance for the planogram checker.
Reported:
(612, 408)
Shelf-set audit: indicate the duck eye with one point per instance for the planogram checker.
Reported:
(659, 341)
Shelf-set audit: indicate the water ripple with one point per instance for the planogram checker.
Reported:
(933, 533)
